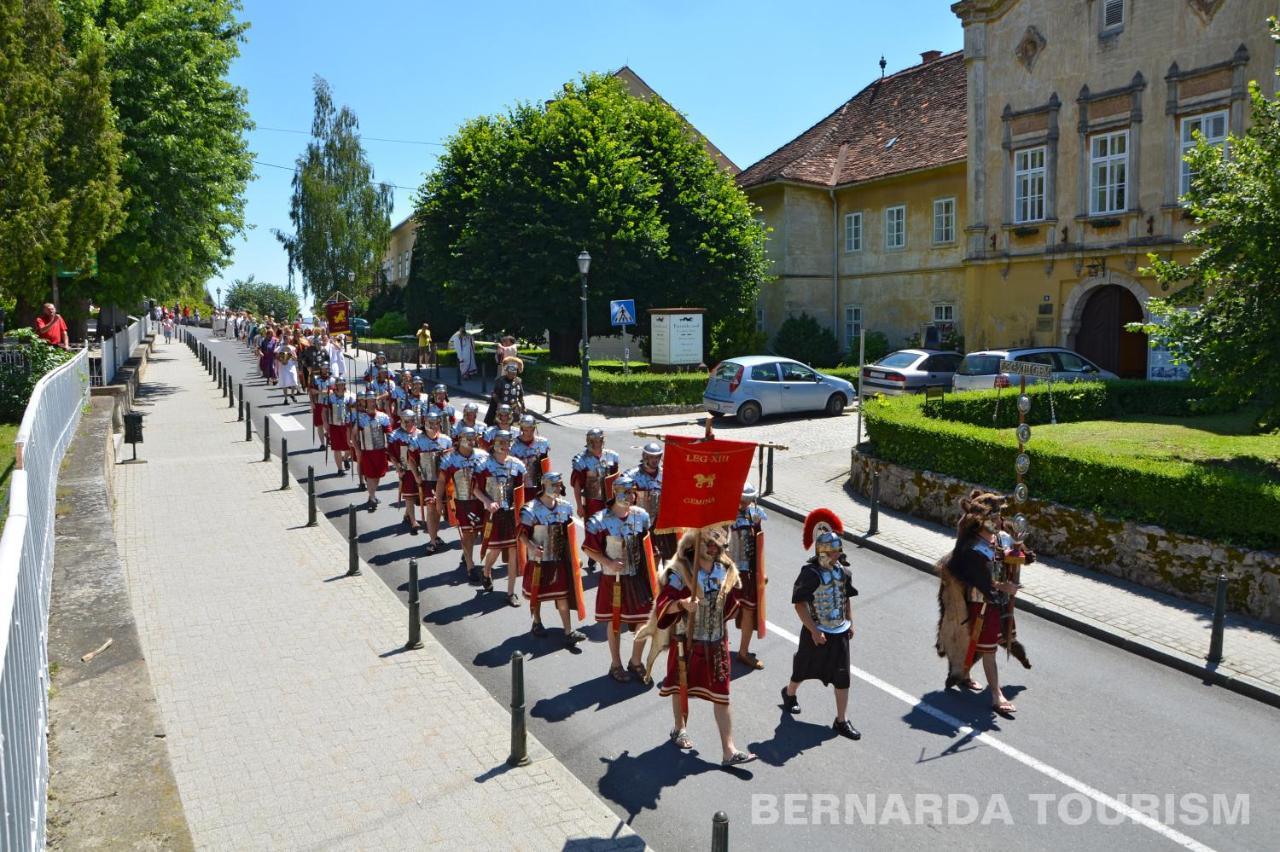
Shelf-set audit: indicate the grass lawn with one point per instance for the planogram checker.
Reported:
(1221, 439)
(8, 431)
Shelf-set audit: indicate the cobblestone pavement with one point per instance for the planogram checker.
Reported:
(292, 717)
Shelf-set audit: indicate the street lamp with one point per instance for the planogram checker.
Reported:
(584, 405)
(219, 291)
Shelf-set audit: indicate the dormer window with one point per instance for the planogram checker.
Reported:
(1112, 16)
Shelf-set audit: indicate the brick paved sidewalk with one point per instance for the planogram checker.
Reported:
(1251, 649)
(291, 719)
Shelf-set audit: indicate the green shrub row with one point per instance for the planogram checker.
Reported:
(16, 383)
(609, 388)
(1217, 503)
(1073, 402)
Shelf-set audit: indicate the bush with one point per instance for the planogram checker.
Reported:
(390, 324)
(609, 388)
(1195, 499)
(877, 347)
(803, 339)
(1076, 401)
(16, 384)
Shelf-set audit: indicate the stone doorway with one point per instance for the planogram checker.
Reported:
(1102, 337)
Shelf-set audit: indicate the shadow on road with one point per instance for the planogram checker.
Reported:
(635, 783)
(791, 738)
(599, 693)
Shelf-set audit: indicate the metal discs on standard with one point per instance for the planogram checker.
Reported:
(1024, 403)
(1020, 492)
(1024, 433)
(1020, 525)
(1022, 463)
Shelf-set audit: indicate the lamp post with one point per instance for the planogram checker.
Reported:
(219, 291)
(584, 405)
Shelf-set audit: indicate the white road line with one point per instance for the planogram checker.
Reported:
(287, 423)
(1018, 755)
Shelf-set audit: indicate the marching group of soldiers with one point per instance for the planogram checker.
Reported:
(676, 590)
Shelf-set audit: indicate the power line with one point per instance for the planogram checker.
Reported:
(370, 138)
(293, 169)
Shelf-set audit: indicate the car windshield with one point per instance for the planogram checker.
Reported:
(979, 365)
(727, 371)
(898, 359)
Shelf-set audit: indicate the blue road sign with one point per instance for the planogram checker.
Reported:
(622, 311)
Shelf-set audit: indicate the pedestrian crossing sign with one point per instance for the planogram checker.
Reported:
(622, 312)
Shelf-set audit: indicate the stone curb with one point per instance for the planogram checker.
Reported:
(1241, 684)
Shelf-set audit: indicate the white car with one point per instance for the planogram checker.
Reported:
(981, 370)
(753, 386)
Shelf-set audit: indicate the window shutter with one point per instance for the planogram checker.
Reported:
(1113, 13)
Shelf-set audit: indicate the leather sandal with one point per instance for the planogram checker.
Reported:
(619, 674)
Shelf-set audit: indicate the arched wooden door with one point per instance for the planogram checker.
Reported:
(1102, 337)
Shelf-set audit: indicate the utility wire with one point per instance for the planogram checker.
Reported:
(374, 182)
(370, 138)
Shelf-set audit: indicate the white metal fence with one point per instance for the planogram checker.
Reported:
(26, 567)
(117, 348)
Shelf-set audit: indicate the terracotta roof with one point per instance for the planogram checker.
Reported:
(640, 89)
(920, 110)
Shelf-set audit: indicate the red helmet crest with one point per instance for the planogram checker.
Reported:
(820, 517)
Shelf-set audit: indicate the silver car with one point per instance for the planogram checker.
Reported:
(981, 370)
(909, 371)
(755, 385)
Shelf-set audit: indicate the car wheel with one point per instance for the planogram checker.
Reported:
(836, 404)
(749, 413)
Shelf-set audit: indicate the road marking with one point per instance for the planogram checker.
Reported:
(287, 423)
(1018, 755)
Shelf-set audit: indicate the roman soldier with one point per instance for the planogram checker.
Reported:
(594, 470)
(821, 595)
(508, 389)
(317, 390)
(505, 423)
(400, 449)
(429, 449)
(339, 407)
(371, 372)
(746, 549)
(700, 593)
(470, 418)
(370, 428)
(398, 398)
(979, 580)
(417, 399)
(534, 450)
(551, 571)
(500, 482)
(618, 537)
(648, 479)
(466, 510)
(381, 388)
(440, 402)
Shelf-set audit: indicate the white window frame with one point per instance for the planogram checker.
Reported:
(853, 232)
(895, 223)
(1109, 173)
(852, 325)
(944, 218)
(1029, 184)
(1186, 141)
(944, 313)
(1118, 24)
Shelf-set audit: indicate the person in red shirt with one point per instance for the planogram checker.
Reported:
(51, 327)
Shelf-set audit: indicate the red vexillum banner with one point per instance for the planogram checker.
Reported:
(702, 482)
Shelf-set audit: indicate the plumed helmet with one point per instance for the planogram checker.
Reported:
(652, 450)
(821, 521)
(470, 408)
(528, 421)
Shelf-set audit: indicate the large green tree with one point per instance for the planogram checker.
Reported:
(516, 197)
(1225, 323)
(341, 217)
(261, 299)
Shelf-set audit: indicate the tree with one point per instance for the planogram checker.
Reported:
(1225, 322)
(516, 197)
(261, 299)
(341, 218)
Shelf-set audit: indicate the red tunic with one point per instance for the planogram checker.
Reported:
(990, 635)
(707, 662)
(339, 440)
(552, 578)
(635, 599)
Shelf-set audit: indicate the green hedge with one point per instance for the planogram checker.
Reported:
(16, 384)
(608, 388)
(1214, 502)
(1073, 402)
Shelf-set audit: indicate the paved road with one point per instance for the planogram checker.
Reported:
(1096, 724)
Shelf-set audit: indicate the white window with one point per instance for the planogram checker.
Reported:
(895, 227)
(852, 326)
(944, 313)
(944, 220)
(1213, 127)
(853, 232)
(1108, 172)
(1028, 185)
(1112, 14)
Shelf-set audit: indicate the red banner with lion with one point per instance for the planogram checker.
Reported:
(338, 317)
(702, 481)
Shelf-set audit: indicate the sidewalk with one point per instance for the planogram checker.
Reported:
(292, 718)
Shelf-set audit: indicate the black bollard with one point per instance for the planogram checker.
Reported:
(266, 437)
(231, 396)
(226, 384)
(415, 609)
(284, 464)
(311, 496)
(875, 503)
(353, 546)
(547, 409)
(768, 473)
(240, 396)
(720, 832)
(248, 423)
(1219, 621)
(760, 468)
(519, 748)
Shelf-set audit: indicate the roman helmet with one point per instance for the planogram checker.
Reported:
(503, 437)
(504, 411)
(432, 418)
(624, 489)
(552, 483)
(749, 493)
(467, 437)
(470, 408)
(822, 531)
(410, 415)
(595, 437)
(651, 452)
(528, 421)
(440, 390)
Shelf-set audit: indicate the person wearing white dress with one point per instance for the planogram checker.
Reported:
(288, 372)
(337, 360)
(465, 345)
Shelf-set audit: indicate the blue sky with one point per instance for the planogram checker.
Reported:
(749, 75)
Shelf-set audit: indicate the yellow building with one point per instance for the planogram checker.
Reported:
(1078, 116)
(866, 210)
(395, 263)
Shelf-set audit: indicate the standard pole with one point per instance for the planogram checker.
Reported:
(875, 503)
(311, 496)
(415, 609)
(266, 437)
(519, 748)
(284, 464)
(720, 832)
(1219, 621)
(353, 547)
(584, 404)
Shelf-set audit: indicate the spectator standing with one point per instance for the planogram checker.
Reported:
(424, 344)
(51, 327)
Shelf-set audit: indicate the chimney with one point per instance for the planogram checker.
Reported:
(929, 56)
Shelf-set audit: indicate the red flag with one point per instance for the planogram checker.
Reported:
(338, 317)
(702, 482)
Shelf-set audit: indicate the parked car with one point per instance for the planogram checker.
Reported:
(360, 326)
(910, 371)
(753, 386)
(981, 370)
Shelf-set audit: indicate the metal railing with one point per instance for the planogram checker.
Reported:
(26, 567)
(117, 349)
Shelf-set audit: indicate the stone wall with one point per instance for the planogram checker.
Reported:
(1151, 556)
